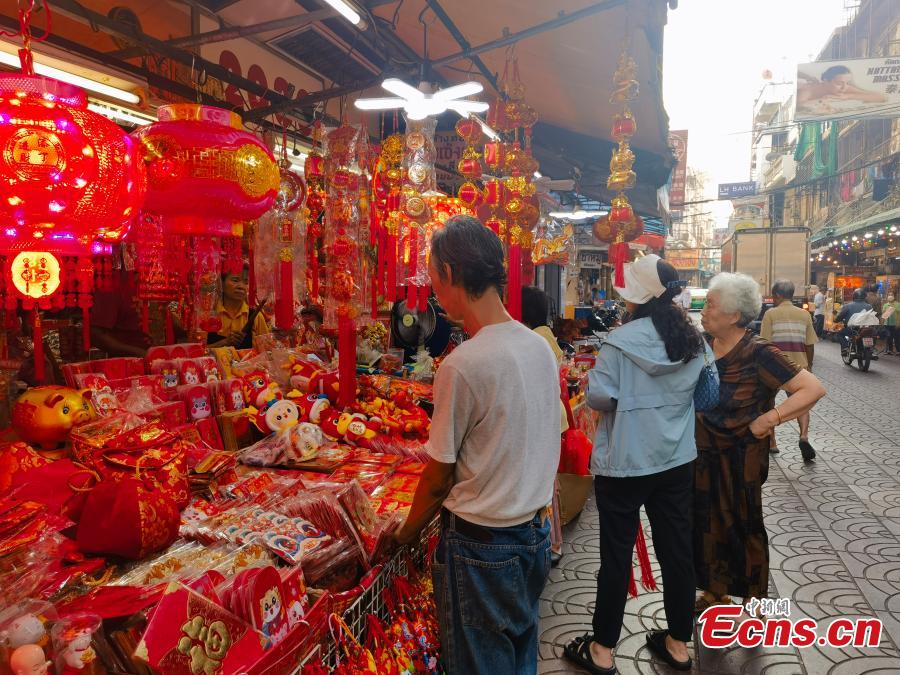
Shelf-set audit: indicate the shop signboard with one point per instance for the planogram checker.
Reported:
(591, 259)
(737, 190)
(684, 258)
(678, 142)
(858, 87)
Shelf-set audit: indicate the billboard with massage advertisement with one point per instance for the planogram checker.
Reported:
(850, 88)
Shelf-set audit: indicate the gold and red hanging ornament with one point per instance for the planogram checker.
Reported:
(387, 190)
(345, 150)
(419, 183)
(69, 177)
(520, 205)
(470, 193)
(622, 224)
(317, 197)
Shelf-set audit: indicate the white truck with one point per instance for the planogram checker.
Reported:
(769, 255)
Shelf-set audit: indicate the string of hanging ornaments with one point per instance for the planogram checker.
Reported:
(622, 224)
(69, 178)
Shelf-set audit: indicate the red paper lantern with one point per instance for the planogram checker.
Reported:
(68, 175)
(624, 126)
(206, 175)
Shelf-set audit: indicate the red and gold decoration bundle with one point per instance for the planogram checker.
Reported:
(69, 177)
(387, 183)
(345, 164)
(279, 247)
(520, 207)
(419, 184)
(317, 197)
(622, 224)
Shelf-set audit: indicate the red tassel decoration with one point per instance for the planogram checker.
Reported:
(424, 292)
(647, 580)
(284, 301)
(390, 291)
(346, 362)
(619, 253)
(514, 301)
(632, 584)
(38, 337)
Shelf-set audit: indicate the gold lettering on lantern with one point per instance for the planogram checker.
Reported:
(214, 643)
(34, 153)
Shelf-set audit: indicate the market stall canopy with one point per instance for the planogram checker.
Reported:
(288, 56)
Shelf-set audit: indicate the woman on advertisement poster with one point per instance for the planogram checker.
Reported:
(818, 96)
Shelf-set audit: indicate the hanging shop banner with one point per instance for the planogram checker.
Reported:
(683, 258)
(678, 142)
(737, 190)
(448, 148)
(858, 87)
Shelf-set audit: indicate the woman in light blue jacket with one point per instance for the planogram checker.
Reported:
(643, 455)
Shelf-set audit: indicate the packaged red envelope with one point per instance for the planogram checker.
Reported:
(411, 466)
(171, 415)
(296, 601)
(121, 388)
(189, 371)
(369, 476)
(102, 395)
(70, 370)
(169, 371)
(362, 516)
(209, 369)
(266, 603)
(197, 399)
(369, 457)
(119, 367)
(230, 395)
(208, 429)
(188, 634)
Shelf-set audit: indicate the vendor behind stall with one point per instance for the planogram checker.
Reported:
(116, 319)
(238, 327)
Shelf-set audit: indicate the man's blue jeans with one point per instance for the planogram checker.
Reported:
(487, 595)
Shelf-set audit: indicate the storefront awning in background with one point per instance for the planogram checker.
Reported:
(827, 234)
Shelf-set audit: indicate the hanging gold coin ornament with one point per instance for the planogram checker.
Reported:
(420, 181)
(622, 224)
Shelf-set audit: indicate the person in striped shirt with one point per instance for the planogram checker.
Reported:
(791, 329)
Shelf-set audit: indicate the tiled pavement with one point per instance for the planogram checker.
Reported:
(834, 541)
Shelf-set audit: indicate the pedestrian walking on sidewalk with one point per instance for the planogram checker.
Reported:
(891, 315)
(643, 455)
(494, 450)
(819, 312)
(791, 330)
(731, 550)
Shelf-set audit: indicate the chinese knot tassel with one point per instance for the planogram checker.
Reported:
(346, 361)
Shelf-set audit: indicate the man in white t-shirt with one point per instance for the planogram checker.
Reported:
(818, 311)
(494, 451)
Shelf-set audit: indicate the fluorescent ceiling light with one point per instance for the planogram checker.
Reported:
(577, 215)
(345, 10)
(70, 78)
(490, 133)
(538, 174)
(418, 104)
(117, 114)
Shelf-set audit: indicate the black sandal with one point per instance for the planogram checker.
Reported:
(807, 450)
(656, 642)
(578, 651)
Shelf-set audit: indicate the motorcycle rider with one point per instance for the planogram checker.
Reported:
(858, 305)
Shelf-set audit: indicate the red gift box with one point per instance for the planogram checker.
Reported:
(188, 634)
(70, 370)
(209, 432)
(171, 415)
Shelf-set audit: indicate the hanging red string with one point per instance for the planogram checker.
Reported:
(38, 338)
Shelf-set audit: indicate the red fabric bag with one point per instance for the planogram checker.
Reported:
(575, 453)
(129, 518)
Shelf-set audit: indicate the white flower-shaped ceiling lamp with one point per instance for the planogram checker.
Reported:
(421, 103)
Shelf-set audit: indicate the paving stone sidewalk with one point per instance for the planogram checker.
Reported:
(834, 540)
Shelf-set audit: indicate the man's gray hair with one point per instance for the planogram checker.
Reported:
(783, 289)
(738, 293)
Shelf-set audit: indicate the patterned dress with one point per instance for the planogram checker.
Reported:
(731, 549)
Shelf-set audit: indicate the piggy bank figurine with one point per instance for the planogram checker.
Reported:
(44, 416)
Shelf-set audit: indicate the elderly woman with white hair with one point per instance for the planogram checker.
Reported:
(731, 552)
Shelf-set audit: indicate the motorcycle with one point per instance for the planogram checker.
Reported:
(859, 346)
